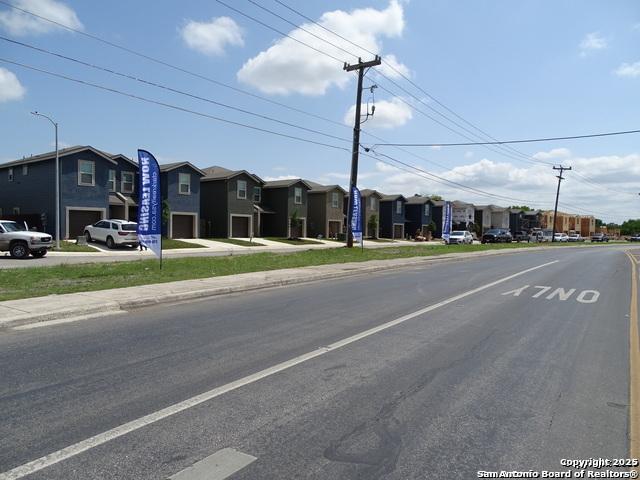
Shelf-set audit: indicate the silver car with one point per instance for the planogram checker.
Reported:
(20, 242)
(460, 237)
(113, 233)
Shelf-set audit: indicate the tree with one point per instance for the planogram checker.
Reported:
(372, 225)
(599, 222)
(295, 223)
(436, 198)
(630, 227)
(521, 207)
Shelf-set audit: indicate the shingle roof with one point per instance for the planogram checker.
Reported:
(390, 198)
(220, 173)
(418, 200)
(319, 188)
(166, 167)
(61, 152)
(285, 183)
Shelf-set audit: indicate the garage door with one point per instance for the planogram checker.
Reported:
(182, 226)
(398, 231)
(240, 227)
(78, 219)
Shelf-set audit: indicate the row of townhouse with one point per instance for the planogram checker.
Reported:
(218, 202)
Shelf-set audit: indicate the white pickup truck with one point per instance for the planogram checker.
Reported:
(20, 242)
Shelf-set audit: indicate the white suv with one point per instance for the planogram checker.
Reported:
(113, 232)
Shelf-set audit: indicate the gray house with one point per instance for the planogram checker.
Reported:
(392, 216)
(285, 198)
(93, 185)
(180, 184)
(325, 211)
(230, 203)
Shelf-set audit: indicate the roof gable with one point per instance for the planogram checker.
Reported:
(61, 153)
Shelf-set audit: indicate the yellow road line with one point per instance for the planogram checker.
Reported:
(634, 366)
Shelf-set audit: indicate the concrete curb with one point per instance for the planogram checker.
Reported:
(293, 276)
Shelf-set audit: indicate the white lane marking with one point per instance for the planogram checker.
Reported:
(218, 466)
(517, 291)
(594, 295)
(89, 316)
(101, 438)
(541, 292)
(561, 293)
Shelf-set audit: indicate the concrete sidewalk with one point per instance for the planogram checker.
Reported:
(104, 302)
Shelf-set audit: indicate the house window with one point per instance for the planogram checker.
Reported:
(184, 184)
(335, 200)
(16, 210)
(25, 169)
(426, 210)
(242, 189)
(10, 175)
(373, 203)
(126, 184)
(399, 207)
(297, 196)
(86, 173)
(257, 194)
(111, 183)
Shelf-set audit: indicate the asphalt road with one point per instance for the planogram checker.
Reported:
(477, 373)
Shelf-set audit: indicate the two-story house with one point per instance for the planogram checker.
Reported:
(325, 213)
(230, 203)
(94, 185)
(286, 199)
(418, 212)
(392, 216)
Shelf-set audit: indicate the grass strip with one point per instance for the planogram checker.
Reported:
(69, 278)
(74, 247)
(235, 241)
(171, 244)
(297, 241)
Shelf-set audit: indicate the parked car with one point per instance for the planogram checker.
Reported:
(460, 237)
(576, 237)
(20, 242)
(497, 235)
(541, 235)
(634, 238)
(599, 237)
(113, 233)
(561, 237)
(521, 236)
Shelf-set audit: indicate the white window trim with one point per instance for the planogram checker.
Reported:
(109, 180)
(398, 207)
(188, 184)
(93, 173)
(238, 190)
(195, 223)
(10, 175)
(295, 196)
(122, 182)
(249, 220)
(25, 169)
(335, 200)
(372, 203)
(259, 194)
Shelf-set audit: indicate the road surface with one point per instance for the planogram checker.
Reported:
(511, 362)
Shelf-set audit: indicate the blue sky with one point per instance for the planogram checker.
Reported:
(514, 69)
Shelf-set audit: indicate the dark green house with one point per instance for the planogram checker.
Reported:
(286, 199)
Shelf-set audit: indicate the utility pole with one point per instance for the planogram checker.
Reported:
(360, 67)
(555, 210)
(57, 177)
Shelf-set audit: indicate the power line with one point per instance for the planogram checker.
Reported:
(169, 65)
(171, 106)
(530, 140)
(170, 89)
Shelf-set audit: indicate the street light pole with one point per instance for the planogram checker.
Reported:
(55, 126)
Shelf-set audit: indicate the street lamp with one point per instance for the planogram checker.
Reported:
(55, 126)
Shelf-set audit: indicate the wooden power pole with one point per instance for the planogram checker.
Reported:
(555, 210)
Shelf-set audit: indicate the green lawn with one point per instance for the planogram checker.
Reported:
(378, 240)
(297, 241)
(170, 244)
(73, 247)
(235, 241)
(68, 278)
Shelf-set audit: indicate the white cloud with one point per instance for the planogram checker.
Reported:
(554, 153)
(592, 42)
(289, 67)
(388, 114)
(391, 67)
(10, 86)
(628, 70)
(212, 37)
(20, 23)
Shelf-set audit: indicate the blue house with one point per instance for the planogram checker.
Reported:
(392, 216)
(418, 212)
(94, 185)
(180, 184)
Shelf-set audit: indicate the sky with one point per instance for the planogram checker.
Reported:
(515, 70)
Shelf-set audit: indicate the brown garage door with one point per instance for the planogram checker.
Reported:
(398, 231)
(182, 226)
(240, 227)
(78, 219)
